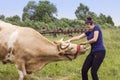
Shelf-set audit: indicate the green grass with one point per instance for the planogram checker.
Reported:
(71, 70)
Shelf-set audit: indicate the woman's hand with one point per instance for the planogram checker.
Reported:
(83, 43)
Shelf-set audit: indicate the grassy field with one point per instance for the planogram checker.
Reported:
(71, 70)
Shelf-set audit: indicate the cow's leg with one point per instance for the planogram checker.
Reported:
(21, 70)
(21, 75)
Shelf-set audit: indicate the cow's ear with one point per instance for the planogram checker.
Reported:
(58, 45)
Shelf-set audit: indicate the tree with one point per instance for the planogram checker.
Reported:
(2, 17)
(45, 9)
(77, 23)
(102, 18)
(29, 11)
(82, 11)
(68, 21)
(110, 21)
(14, 19)
(46, 18)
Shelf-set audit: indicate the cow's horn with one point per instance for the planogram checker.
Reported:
(62, 39)
(64, 47)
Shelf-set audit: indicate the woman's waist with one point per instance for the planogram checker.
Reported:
(97, 48)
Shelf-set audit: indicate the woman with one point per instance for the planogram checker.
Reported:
(97, 53)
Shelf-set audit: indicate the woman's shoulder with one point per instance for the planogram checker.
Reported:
(96, 27)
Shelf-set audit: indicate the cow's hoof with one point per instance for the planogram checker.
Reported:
(5, 61)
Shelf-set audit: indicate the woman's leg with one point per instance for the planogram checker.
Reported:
(86, 66)
(98, 59)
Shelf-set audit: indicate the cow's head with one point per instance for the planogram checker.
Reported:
(70, 49)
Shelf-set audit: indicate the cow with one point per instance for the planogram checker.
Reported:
(30, 51)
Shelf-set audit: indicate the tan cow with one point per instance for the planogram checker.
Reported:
(30, 51)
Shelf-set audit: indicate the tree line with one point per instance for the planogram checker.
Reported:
(43, 14)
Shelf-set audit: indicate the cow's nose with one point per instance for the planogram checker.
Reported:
(84, 46)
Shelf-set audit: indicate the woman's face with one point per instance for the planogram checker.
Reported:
(89, 27)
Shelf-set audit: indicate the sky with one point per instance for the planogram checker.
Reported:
(66, 8)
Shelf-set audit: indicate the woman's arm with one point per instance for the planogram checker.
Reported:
(94, 39)
(77, 37)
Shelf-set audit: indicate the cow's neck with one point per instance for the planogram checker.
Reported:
(48, 46)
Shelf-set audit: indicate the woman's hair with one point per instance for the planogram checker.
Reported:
(89, 20)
